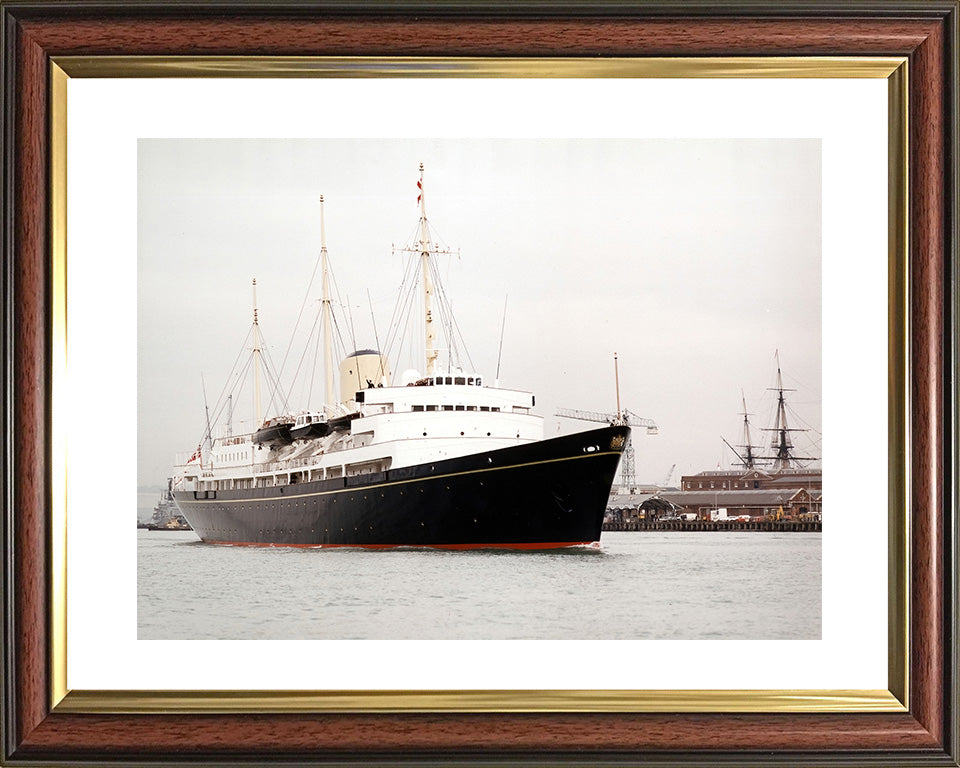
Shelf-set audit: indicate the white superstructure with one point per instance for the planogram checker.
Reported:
(376, 426)
(394, 427)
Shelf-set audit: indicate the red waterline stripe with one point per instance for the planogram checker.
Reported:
(539, 545)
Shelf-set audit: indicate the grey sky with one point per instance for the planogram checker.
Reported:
(693, 259)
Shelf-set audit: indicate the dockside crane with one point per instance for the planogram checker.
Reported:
(627, 462)
(664, 483)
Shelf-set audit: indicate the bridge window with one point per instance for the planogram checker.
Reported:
(431, 407)
(417, 408)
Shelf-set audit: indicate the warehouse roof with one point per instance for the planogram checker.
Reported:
(766, 497)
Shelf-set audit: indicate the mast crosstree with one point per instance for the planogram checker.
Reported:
(427, 249)
(258, 414)
(782, 449)
(748, 459)
(783, 456)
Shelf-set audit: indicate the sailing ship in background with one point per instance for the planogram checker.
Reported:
(440, 459)
(782, 455)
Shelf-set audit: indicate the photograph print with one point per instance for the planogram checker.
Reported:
(443, 389)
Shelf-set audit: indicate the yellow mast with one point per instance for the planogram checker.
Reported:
(616, 374)
(256, 360)
(327, 351)
(430, 342)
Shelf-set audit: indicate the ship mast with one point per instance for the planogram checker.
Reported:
(749, 460)
(783, 456)
(424, 247)
(430, 340)
(325, 299)
(616, 375)
(781, 441)
(256, 359)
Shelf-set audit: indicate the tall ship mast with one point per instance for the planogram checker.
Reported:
(746, 456)
(327, 312)
(439, 459)
(430, 343)
(781, 444)
(782, 456)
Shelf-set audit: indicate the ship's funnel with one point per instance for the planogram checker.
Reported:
(360, 370)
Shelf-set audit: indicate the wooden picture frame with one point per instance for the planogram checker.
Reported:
(38, 730)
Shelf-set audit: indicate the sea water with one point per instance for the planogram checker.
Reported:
(637, 585)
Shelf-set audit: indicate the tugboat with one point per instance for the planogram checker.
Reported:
(439, 459)
(166, 515)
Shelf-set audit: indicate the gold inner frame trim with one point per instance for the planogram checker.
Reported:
(898, 383)
(58, 368)
(893, 69)
(427, 66)
(543, 701)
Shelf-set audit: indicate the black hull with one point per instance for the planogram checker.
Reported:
(548, 494)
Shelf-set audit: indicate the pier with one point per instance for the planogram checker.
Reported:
(770, 526)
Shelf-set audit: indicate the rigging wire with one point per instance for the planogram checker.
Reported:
(353, 335)
(303, 304)
(403, 297)
(376, 337)
(316, 362)
(403, 309)
(241, 378)
(232, 369)
(503, 325)
(447, 305)
(273, 382)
